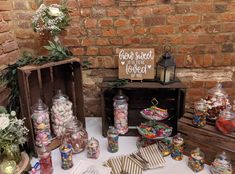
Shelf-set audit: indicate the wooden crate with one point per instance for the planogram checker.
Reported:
(140, 94)
(44, 81)
(209, 139)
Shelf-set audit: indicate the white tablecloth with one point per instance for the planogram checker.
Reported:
(126, 145)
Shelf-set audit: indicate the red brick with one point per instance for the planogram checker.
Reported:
(181, 9)
(74, 31)
(108, 32)
(7, 16)
(102, 41)
(185, 28)
(195, 94)
(228, 17)
(210, 84)
(105, 2)
(152, 21)
(92, 51)
(120, 22)
(87, 3)
(166, 29)
(131, 40)
(129, 12)
(144, 11)
(85, 12)
(227, 60)
(78, 51)
(221, 38)
(114, 12)
(5, 6)
(205, 39)
(106, 22)
(136, 21)
(140, 30)
(20, 5)
(125, 32)
(174, 19)
(88, 42)
(190, 39)
(229, 27)
(191, 19)
(149, 40)
(197, 84)
(185, 49)
(198, 61)
(176, 40)
(218, 60)
(202, 8)
(24, 25)
(105, 51)
(214, 28)
(90, 23)
(227, 84)
(116, 41)
(179, 60)
(70, 41)
(198, 28)
(9, 46)
(210, 17)
(208, 60)
(4, 27)
(213, 49)
(221, 8)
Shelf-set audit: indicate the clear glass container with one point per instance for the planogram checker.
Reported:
(66, 152)
(62, 113)
(200, 113)
(196, 160)
(45, 161)
(93, 148)
(41, 123)
(178, 147)
(165, 146)
(226, 121)
(221, 164)
(120, 106)
(112, 136)
(76, 135)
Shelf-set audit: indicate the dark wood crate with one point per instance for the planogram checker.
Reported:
(209, 139)
(140, 94)
(44, 81)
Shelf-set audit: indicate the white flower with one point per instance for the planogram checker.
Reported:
(4, 122)
(13, 113)
(55, 11)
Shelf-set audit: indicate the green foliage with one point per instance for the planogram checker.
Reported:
(86, 64)
(118, 83)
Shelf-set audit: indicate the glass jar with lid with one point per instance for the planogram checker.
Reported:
(45, 160)
(200, 113)
(178, 147)
(221, 164)
(41, 123)
(62, 113)
(196, 160)
(93, 148)
(112, 136)
(120, 106)
(226, 121)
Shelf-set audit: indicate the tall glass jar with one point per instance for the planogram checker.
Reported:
(66, 156)
(93, 148)
(76, 135)
(45, 161)
(226, 121)
(178, 147)
(221, 164)
(196, 160)
(120, 106)
(62, 113)
(165, 146)
(200, 112)
(41, 123)
(112, 135)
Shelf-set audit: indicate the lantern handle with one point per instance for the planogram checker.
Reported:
(154, 102)
(167, 48)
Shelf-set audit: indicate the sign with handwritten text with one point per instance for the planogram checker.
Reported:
(136, 63)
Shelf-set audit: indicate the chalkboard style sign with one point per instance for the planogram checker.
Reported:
(136, 63)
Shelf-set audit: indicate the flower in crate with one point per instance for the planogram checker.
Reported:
(53, 18)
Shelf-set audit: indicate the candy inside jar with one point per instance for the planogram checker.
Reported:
(45, 160)
(41, 123)
(226, 121)
(120, 112)
(178, 147)
(66, 156)
(221, 164)
(165, 146)
(93, 148)
(112, 136)
(196, 160)
(200, 113)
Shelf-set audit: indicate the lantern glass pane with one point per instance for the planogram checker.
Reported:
(160, 73)
(171, 73)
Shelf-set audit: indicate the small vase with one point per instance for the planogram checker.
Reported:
(12, 152)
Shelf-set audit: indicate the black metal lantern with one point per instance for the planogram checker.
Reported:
(166, 67)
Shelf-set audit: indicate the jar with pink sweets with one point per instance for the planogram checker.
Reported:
(120, 106)
(93, 148)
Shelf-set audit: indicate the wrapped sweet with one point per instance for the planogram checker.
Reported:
(45, 160)
(93, 148)
(120, 106)
(112, 136)
(226, 121)
(221, 164)
(200, 113)
(41, 123)
(196, 160)
(62, 113)
(165, 146)
(178, 147)
(217, 100)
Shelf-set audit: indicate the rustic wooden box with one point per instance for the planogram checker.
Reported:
(208, 138)
(43, 81)
(140, 94)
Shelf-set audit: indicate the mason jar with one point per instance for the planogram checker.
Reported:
(196, 160)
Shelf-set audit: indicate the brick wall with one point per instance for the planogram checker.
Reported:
(201, 33)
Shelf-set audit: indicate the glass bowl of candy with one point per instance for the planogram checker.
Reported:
(154, 113)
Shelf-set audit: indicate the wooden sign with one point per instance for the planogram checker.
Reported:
(136, 63)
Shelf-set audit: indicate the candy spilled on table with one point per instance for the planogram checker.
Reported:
(112, 136)
(196, 160)
(66, 156)
(93, 148)
(178, 147)
(200, 113)
(41, 123)
(221, 164)
(45, 160)
(120, 106)
(165, 146)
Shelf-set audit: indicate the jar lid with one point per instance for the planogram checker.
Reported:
(60, 96)
(218, 91)
(120, 96)
(177, 139)
(227, 114)
(112, 131)
(74, 125)
(93, 142)
(197, 154)
(39, 106)
(223, 158)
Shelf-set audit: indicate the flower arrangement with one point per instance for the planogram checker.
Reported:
(53, 18)
(12, 130)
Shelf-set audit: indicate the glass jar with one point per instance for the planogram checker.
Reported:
(221, 164)
(112, 135)
(76, 135)
(41, 123)
(200, 112)
(196, 160)
(226, 121)
(165, 146)
(120, 106)
(45, 161)
(62, 113)
(178, 147)
(66, 156)
(93, 148)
